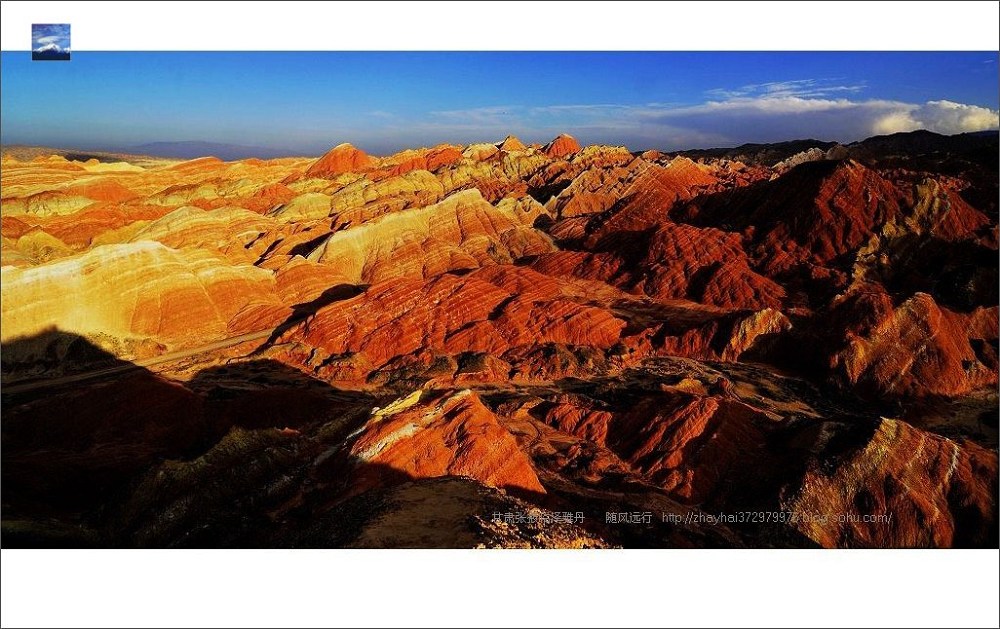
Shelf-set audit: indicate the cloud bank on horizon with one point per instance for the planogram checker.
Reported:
(771, 112)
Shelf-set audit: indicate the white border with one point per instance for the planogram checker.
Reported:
(511, 25)
(500, 588)
(440, 588)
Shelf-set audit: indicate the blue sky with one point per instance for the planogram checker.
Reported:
(44, 34)
(306, 102)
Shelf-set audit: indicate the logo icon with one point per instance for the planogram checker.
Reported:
(50, 42)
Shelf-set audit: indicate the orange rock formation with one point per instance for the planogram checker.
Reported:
(336, 347)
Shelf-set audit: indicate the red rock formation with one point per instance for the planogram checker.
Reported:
(269, 197)
(651, 196)
(673, 262)
(707, 266)
(430, 159)
(362, 201)
(442, 156)
(914, 349)
(618, 333)
(483, 313)
(481, 152)
(562, 146)
(496, 174)
(698, 332)
(102, 190)
(686, 444)
(425, 436)
(942, 212)
(927, 491)
(56, 162)
(300, 281)
(596, 190)
(12, 227)
(343, 158)
(814, 213)
(199, 165)
(100, 223)
(511, 143)
(508, 322)
(462, 232)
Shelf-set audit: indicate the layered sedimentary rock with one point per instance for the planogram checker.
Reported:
(503, 344)
(452, 435)
(32, 247)
(499, 175)
(685, 443)
(306, 206)
(562, 146)
(343, 158)
(596, 190)
(673, 261)
(427, 159)
(916, 348)
(417, 320)
(814, 213)
(229, 231)
(462, 232)
(941, 245)
(363, 200)
(926, 491)
(143, 289)
(511, 143)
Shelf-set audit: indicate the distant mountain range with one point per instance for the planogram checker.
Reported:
(192, 149)
(767, 154)
(910, 143)
(50, 52)
(915, 147)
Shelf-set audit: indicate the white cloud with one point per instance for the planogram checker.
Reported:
(779, 115)
(897, 121)
(48, 39)
(945, 116)
(486, 116)
(783, 104)
(806, 88)
(767, 112)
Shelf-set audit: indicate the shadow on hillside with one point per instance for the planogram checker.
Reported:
(74, 450)
(960, 275)
(52, 353)
(305, 248)
(250, 454)
(340, 292)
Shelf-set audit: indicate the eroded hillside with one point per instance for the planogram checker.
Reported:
(501, 345)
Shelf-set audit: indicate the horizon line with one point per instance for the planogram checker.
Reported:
(135, 149)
